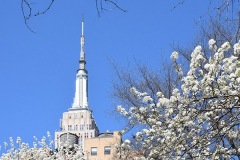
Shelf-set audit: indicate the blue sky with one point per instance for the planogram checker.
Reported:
(37, 81)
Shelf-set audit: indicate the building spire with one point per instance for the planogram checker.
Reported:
(81, 94)
(82, 53)
(82, 25)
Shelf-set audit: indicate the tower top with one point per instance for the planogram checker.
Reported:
(81, 95)
(82, 53)
(82, 25)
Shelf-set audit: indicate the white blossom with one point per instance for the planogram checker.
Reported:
(211, 44)
(174, 56)
(236, 48)
(146, 99)
(226, 46)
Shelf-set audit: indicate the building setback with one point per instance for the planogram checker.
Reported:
(78, 126)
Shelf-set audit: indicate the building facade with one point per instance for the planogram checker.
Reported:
(102, 147)
(77, 125)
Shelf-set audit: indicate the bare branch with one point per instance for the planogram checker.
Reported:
(221, 8)
(116, 5)
(96, 3)
(100, 6)
(27, 11)
(23, 13)
(179, 3)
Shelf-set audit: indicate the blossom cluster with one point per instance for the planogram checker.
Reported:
(201, 119)
(41, 150)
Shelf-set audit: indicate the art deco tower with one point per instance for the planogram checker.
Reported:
(78, 123)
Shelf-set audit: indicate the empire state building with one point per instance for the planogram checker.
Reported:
(78, 123)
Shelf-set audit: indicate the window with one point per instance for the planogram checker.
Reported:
(107, 150)
(69, 127)
(93, 150)
(81, 126)
(76, 127)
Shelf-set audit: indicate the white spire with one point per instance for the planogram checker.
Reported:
(82, 53)
(81, 94)
(82, 26)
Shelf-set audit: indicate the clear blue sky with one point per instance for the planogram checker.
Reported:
(37, 70)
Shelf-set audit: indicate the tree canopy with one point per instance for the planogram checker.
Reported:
(200, 120)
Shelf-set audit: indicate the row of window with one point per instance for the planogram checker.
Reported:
(75, 116)
(78, 127)
(86, 135)
(94, 150)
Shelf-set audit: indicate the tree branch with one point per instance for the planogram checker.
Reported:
(29, 9)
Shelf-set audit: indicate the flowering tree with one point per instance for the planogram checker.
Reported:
(201, 118)
(41, 150)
